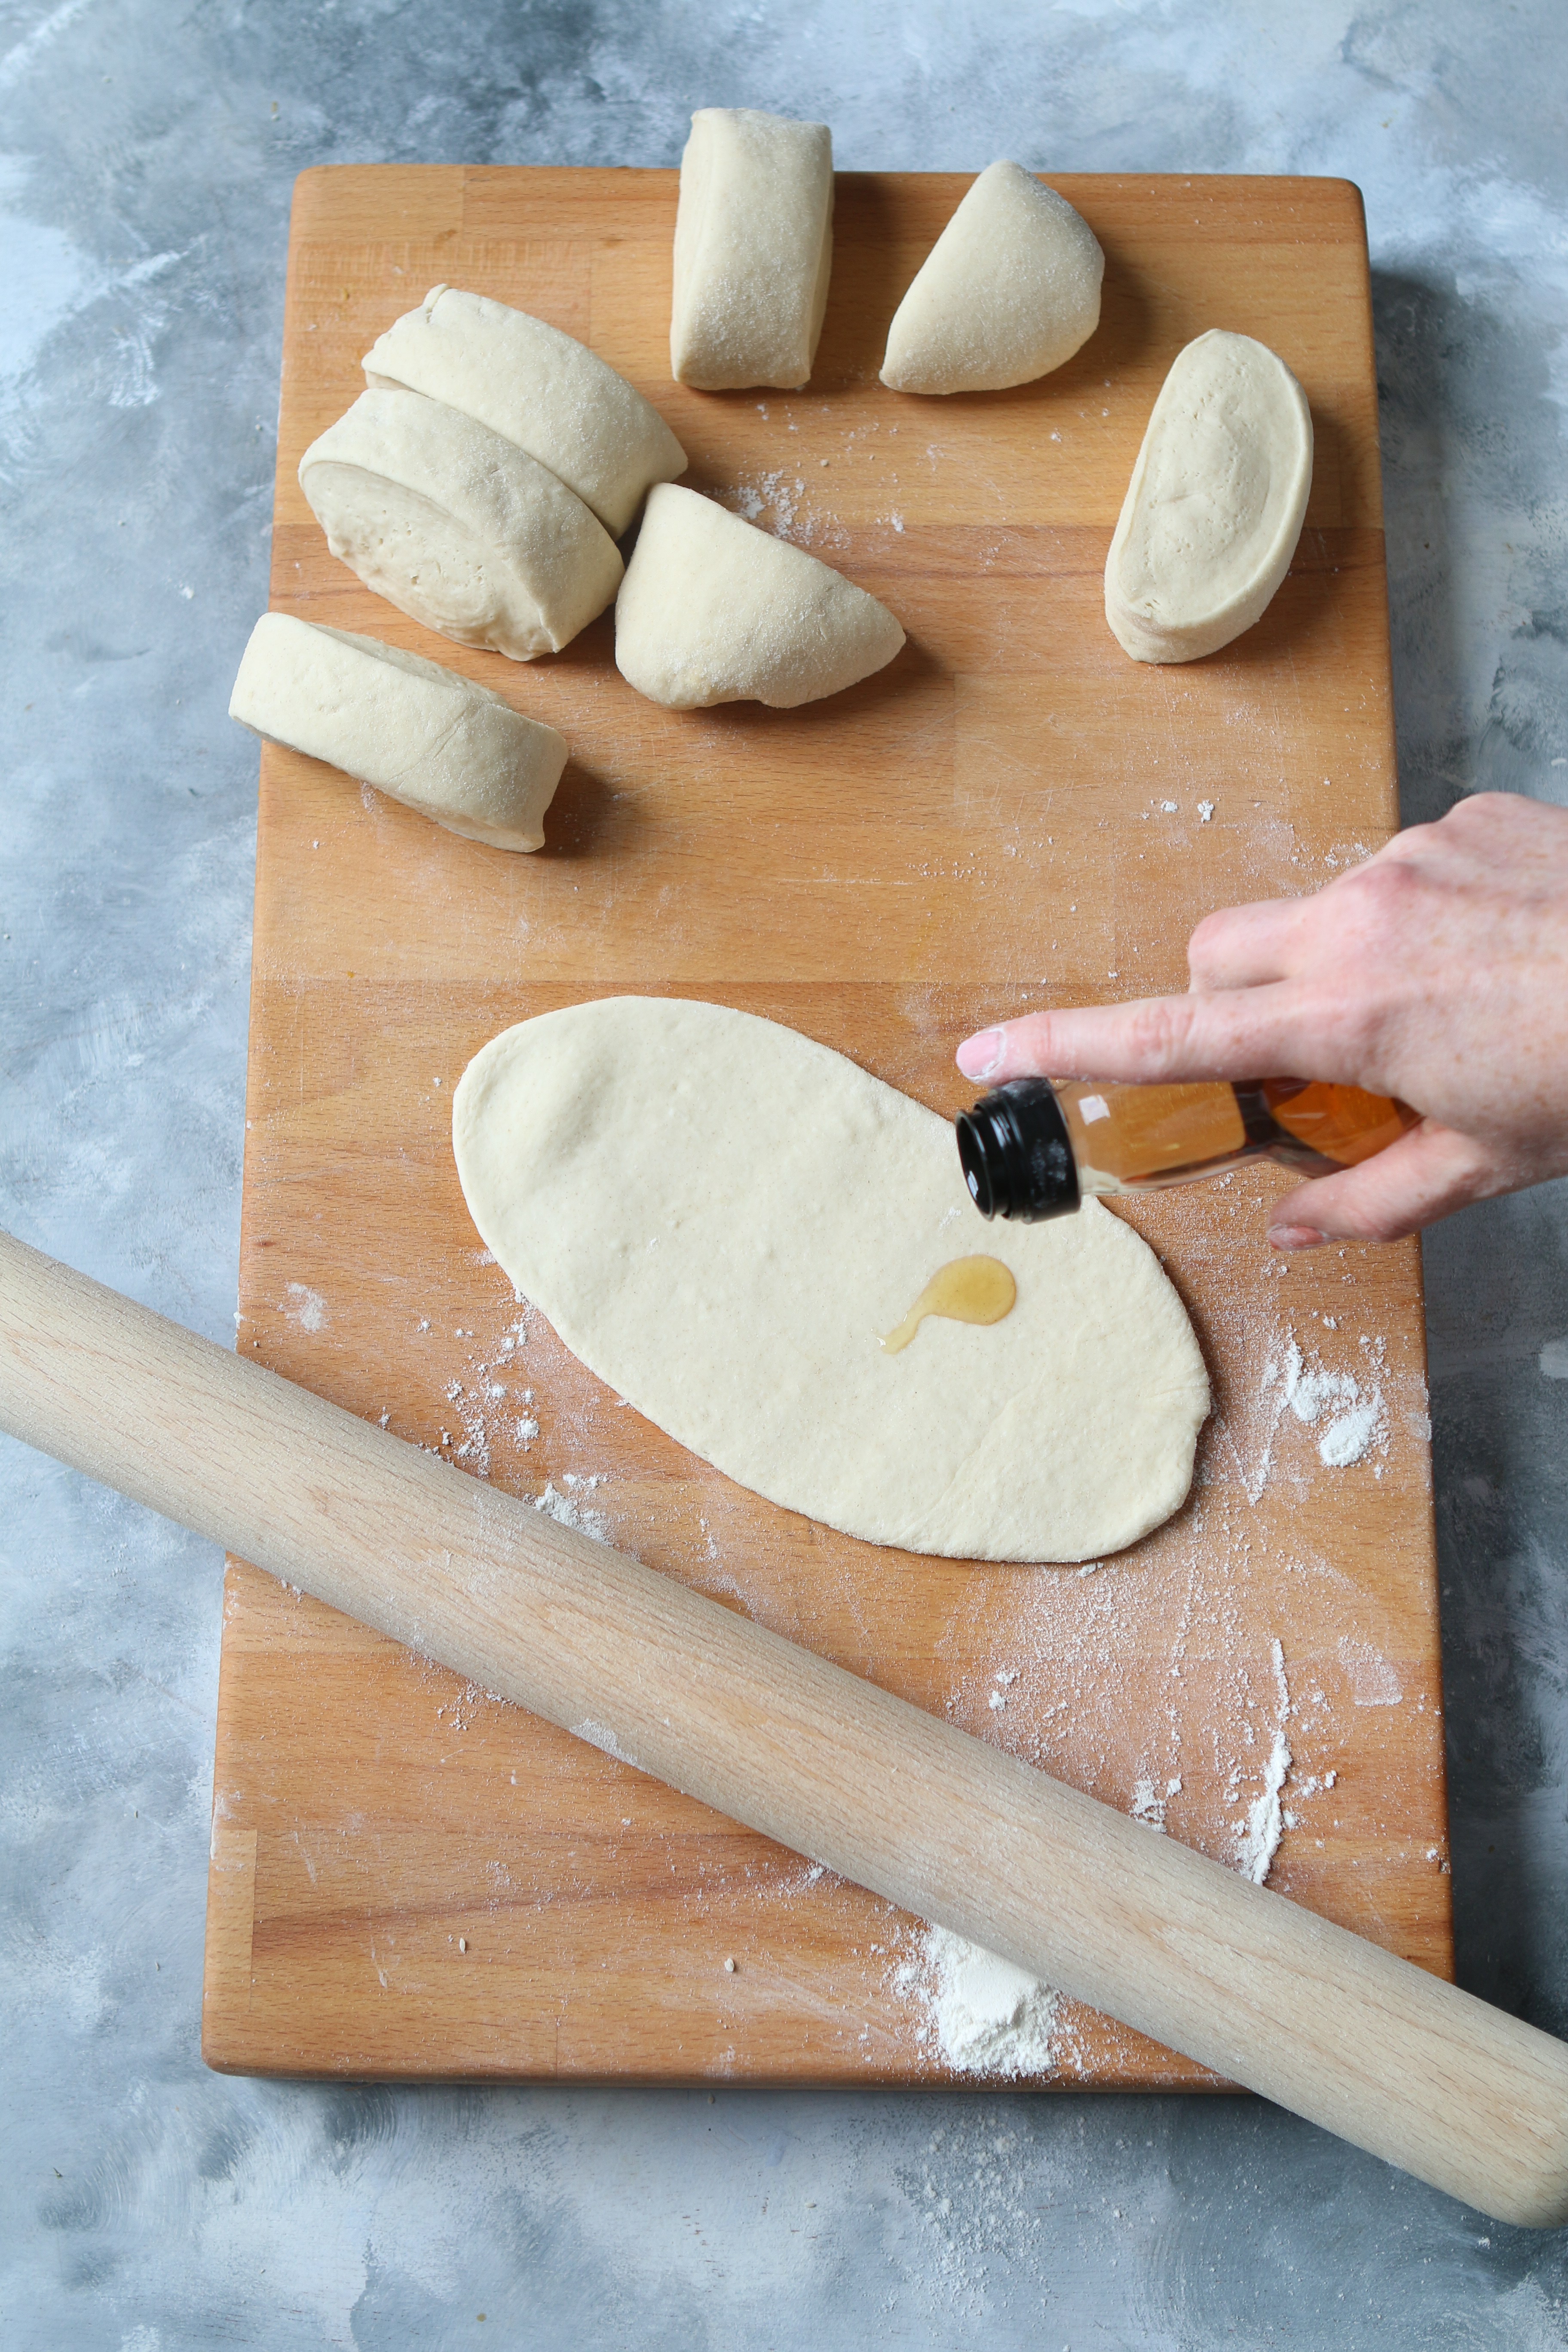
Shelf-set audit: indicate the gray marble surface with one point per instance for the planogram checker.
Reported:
(147, 149)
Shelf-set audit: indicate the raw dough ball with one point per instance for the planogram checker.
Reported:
(533, 385)
(721, 1218)
(1215, 507)
(458, 527)
(449, 748)
(713, 610)
(753, 249)
(1009, 290)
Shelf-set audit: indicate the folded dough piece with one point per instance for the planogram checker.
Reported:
(451, 750)
(533, 385)
(753, 249)
(720, 1217)
(1009, 290)
(713, 610)
(458, 527)
(1215, 504)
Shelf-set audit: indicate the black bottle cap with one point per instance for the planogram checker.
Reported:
(1017, 1155)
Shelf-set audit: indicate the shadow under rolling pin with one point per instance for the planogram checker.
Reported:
(1129, 1922)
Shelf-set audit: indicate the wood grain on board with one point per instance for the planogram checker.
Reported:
(411, 1879)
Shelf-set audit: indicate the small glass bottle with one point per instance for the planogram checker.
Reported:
(1034, 1148)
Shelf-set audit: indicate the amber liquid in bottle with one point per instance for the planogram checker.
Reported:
(1035, 1148)
(1139, 1138)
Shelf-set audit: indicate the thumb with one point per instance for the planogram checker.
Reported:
(1426, 1175)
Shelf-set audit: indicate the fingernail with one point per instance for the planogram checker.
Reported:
(978, 1056)
(1295, 1237)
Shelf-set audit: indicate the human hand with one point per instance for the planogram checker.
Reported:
(1438, 972)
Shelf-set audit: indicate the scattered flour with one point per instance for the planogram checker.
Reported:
(1373, 1682)
(1149, 1803)
(1356, 1418)
(600, 1736)
(1349, 1434)
(570, 1513)
(1259, 1840)
(778, 501)
(307, 1308)
(986, 2016)
(1554, 1360)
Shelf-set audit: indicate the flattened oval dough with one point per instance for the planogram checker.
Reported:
(1009, 290)
(458, 527)
(714, 609)
(533, 385)
(753, 249)
(721, 1218)
(451, 750)
(1215, 504)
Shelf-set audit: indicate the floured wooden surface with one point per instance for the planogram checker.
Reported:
(1011, 815)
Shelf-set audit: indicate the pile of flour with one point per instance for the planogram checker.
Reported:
(986, 2016)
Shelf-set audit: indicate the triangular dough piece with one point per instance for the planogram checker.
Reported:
(1215, 504)
(436, 741)
(457, 527)
(1009, 290)
(713, 610)
(533, 385)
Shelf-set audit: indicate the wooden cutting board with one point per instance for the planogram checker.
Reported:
(411, 1879)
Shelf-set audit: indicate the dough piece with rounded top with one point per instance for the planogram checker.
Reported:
(536, 386)
(436, 741)
(753, 249)
(1215, 504)
(1009, 290)
(714, 609)
(457, 527)
(721, 1218)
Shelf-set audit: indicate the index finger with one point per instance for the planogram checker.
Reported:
(1242, 1033)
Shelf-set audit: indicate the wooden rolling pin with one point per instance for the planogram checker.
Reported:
(1242, 1981)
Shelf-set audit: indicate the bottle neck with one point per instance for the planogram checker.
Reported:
(1018, 1153)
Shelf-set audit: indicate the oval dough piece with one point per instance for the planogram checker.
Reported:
(753, 249)
(721, 1218)
(1215, 504)
(1009, 290)
(536, 386)
(713, 610)
(458, 527)
(436, 741)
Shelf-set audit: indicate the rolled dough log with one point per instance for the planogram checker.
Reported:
(714, 609)
(1215, 504)
(721, 1218)
(451, 750)
(1009, 290)
(753, 249)
(457, 526)
(536, 386)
